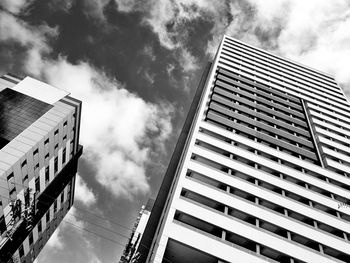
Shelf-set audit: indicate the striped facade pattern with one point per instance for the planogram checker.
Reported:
(265, 173)
(36, 162)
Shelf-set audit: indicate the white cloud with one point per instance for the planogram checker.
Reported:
(315, 33)
(187, 61)
(14, 6)
(118, 128)
(126, 5)
(115, 125)
(148, 51)
(55, 241)
(83, 193)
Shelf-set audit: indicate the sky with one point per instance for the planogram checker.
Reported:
(135, 64)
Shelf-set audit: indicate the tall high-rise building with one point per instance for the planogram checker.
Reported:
(261, 171)
(39, 151)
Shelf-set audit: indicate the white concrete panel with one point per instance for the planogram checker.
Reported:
(325, 111)
(334, 144)
(330, 120)
(60, 159)
(35, 233)
(338, 165)
(32, 185)
(271, 164)
(26, 246)
(40, 90)
(330, 126)
(273, 152)
(68, 150)
(253, 233)
(51, 168)
(220, 249)
(267, 215)
(42, 179)
(269, 196)
(332, 135)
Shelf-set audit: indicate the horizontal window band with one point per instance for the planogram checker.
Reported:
(259, 115)
(270, 58)
(264, 97)
(220, 177)
(196, 192)
(225, 135)
(228, 88)
(262, 107)
(277, 75)
(247, 92)
(296, 91)
(216, 107)
(261, 89)
(216, 118)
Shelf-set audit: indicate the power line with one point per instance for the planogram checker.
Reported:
(103, 227)
(94, 233)
(104, 218)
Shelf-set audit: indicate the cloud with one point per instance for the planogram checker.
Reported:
(115, 125)
(314, 33)
(83, 193)
(118, 128)
(14, 6)
(55, 241)
(148, 51)
(126, 5)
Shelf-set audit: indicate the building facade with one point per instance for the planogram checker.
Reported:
(130, 253)
(39, 151)
(261, 171)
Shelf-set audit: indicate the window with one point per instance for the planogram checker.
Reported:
(39, 227)
(21, 251)
(2, 225)
(48, 217)
(55, 206)
(47, 174)
(56, 146)
(46, 141)
(64, 156)
(24, 163)
(31, 238)
(10, 176)
(56, 164)
(24, 178)
(36, 167)
(37, 184)
(47, 157)
(36, 151)
(65, 124)
(56, 132)
(62, 197)
(12, 191)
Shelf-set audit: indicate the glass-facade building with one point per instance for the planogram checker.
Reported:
(261, 170)
(39, 151)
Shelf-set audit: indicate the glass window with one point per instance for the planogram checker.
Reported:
(56, 164)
